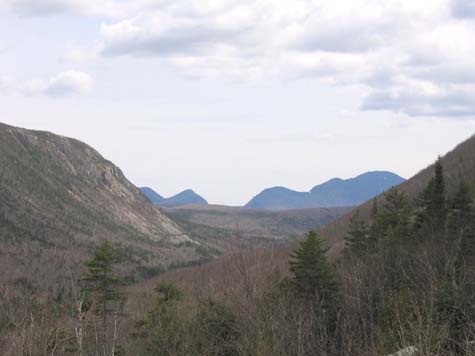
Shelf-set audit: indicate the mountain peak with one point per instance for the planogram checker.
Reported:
(185, 197)
(332, 193)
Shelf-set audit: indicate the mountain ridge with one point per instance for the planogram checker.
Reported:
(188, 196)
(332, 193)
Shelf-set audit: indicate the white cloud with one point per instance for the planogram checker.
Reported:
(68, 83)
(64, 84)
(423, 98)
(109, 8)
(387, 46)
(463, 8)
(413, 56)
(160, 35)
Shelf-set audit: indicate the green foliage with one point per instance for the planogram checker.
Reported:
(216, 330)
(162, 330)
(100, 281)
(211, 331)
(358, 239)
(424, 265)
(432, 215)
(104, 295)
(314, 275)
(393, 219)
(460, 220)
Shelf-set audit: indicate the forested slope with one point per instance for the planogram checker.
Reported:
(458, 163)
(59, 198)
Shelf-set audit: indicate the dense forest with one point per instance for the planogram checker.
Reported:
(405, 281)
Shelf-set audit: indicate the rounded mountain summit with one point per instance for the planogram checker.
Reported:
(333, 193)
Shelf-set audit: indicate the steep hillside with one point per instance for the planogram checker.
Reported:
(59, 197)
(336, 192)
(458, 163)
(186, 197)
(253, 223)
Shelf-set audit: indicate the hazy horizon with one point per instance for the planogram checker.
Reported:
(231, 97)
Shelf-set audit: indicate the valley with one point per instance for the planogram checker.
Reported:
(74, 230)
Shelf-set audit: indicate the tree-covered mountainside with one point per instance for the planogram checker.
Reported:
(185, 197)
(336, 192)
(59, 198)
(458, 164)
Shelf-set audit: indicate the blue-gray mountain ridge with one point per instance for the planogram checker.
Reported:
(186, 197)
(333, 193)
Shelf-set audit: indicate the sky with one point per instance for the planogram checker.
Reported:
(229, 97)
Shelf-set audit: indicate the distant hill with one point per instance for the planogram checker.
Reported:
(59, 198)
(458, 163)
(251, 224)
(152, 195)
(333, 193)
(186, 197)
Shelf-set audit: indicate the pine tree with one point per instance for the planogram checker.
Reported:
(460, 218)
(162, 332)
(103, 288)
(393, 219)
(358, 239)
(437, 208)
(374, 209)
(314, 275)
(432, 213)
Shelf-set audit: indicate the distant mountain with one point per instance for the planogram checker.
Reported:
(184, 198)
(333, 193)
(59, 198)
(152, 195)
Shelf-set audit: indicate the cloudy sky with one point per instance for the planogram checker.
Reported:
(232, 96)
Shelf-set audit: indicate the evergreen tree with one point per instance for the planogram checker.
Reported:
(103, 287)
(460, 218)
(358, 239)
(438, 199)
(216, 330)
(432, 213)
(162, 331)
(374, 209)
(313, 274)
(392, 222)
